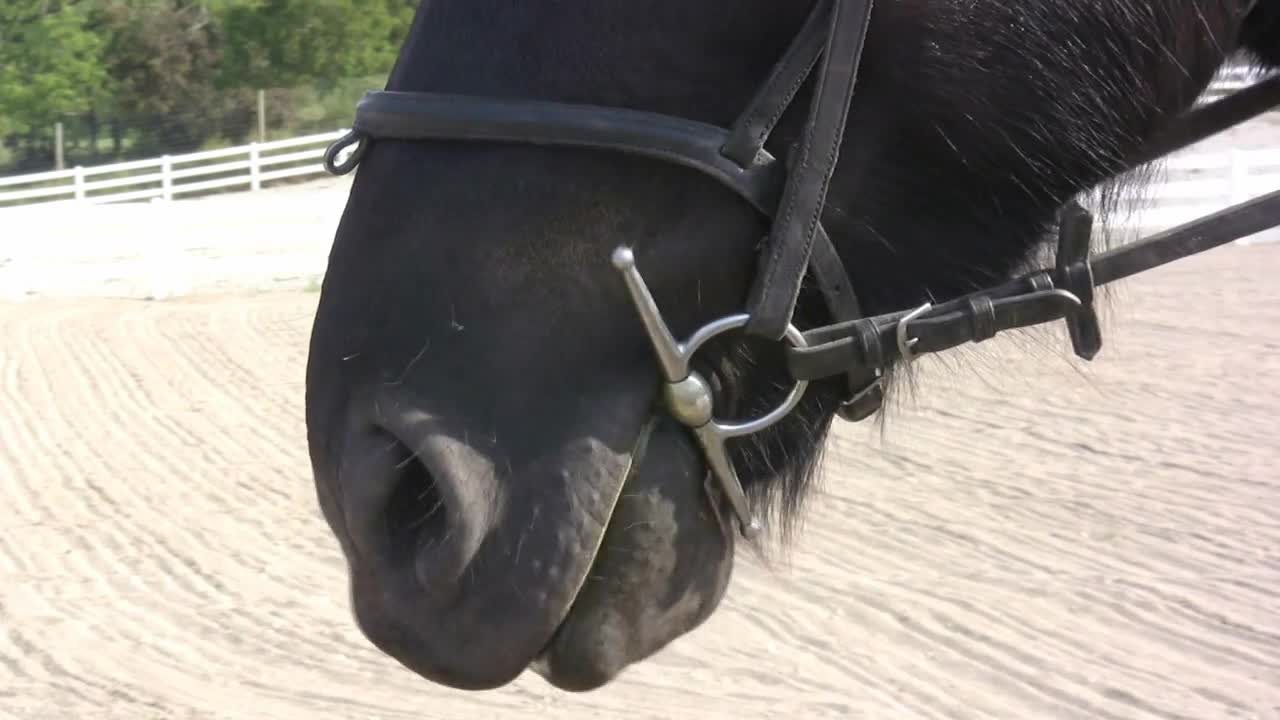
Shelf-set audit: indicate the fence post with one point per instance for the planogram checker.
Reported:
(255, 168)
(77, 183)
(59, 161)
(166, 177)
(262, 115)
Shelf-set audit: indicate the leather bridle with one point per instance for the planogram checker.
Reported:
(793, 195)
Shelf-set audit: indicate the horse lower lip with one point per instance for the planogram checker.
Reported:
(540, 664)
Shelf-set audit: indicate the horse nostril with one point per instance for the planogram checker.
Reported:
(415, 508)
(416, 514)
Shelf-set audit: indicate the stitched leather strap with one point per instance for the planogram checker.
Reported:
(749, 134)
(786, 256)
(442, 116)
(747, 138)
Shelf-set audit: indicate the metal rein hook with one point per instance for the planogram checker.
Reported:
(689, 396)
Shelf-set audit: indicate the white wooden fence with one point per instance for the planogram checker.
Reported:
(1230, 79)
(1192, 185)
(108, 245)
(249, 167)
(252, 166)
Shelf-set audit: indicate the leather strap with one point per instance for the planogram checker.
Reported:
(1205, 233)
(865, 395)
(747, 139)
(1211, 119)
(872, 343)
(790, 244)
(442, 116)
(753, 127)
(1033, 299)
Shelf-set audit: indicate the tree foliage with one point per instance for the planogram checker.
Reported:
(165, 58)
(285, 42)
(174, 74)
(49, 63)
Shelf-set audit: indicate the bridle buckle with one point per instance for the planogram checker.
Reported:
(906, 345)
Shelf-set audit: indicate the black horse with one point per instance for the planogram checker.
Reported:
(478, 381)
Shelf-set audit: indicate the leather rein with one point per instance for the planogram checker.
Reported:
(792, 195)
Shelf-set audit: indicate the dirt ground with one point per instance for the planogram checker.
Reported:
(1025, 537)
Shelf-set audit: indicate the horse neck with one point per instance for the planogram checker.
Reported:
(701, 60)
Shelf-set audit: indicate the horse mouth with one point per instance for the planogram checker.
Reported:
(573, 585)
(543, 664)
(660, 568)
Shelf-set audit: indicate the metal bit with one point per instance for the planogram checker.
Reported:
(689, 397)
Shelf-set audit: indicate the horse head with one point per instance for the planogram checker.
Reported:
(481, 398)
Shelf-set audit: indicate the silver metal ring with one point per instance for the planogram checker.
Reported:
(750, 427)
(736, 322)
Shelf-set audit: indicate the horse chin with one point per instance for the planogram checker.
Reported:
(663, 566)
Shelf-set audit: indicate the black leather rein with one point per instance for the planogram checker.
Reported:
(1066, 291)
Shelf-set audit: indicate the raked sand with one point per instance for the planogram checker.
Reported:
(1024, 537)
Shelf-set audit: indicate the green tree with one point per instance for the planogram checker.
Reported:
(165, 57)
(170, 75)
(275, 43)
(50, 63)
